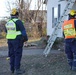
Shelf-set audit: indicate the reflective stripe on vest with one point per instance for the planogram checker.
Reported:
(11, 29)
(69, 29)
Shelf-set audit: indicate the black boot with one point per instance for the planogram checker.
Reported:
(19, 71)
(73, 68)
(12, 71)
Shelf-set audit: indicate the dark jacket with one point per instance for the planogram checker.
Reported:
(20, 27)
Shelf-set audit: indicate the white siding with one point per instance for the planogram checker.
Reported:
(50, 4)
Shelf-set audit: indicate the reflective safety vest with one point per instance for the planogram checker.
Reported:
(69, 29)
(11, 29)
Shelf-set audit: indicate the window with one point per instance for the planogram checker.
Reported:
(55, 15)
(59, 7)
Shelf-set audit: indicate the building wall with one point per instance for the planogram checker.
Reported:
(50, 5)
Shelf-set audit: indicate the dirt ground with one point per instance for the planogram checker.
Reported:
(54, 64)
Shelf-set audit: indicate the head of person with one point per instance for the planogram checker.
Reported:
(72, 14)
(14, 12)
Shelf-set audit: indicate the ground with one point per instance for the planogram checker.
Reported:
(54, 64)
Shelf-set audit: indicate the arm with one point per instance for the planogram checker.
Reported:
(21, 27)
(75, 24)
(63, 35)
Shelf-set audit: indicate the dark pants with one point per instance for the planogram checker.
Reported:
(15, 53)
(70, 50)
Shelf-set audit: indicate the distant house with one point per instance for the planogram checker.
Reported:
(55, 9)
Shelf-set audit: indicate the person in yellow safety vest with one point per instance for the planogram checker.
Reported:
(16, 36)
(69, 31)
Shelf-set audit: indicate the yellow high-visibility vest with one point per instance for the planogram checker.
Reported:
(11, 29)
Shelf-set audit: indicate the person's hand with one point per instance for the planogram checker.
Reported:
(24, 38)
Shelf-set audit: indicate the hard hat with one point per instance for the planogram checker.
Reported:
(72, 12)
(14, 11)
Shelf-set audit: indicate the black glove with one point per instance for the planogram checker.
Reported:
(24, 38)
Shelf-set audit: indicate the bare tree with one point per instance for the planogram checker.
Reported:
(30, 15)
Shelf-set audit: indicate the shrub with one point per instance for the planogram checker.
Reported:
(2, 35)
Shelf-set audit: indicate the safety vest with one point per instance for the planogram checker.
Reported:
(11, 29)
(69, 29)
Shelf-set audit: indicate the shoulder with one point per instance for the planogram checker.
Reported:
(74, 19)
(65, 21)
(18, 22)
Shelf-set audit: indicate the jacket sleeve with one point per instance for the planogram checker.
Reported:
(63, 32)
(63, 35)
(21, 27)
(75, 24)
